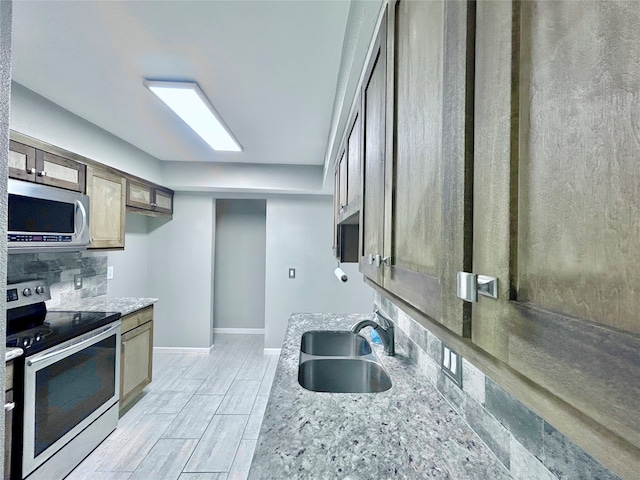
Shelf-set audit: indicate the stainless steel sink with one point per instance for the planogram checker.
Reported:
(343, 375)
(334, 343)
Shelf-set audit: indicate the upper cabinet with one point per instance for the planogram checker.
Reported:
(348, 170)
(107, 191)
(111, 192)
(149, 199)
(373, 111)
(414, 120)
(34, 165)
(428, 166)
(488, 150)
(22, 161)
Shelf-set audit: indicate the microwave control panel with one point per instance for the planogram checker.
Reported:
(12, 237)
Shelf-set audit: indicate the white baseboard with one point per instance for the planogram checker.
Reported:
(198, 351)
(272, 351)
(244, 331)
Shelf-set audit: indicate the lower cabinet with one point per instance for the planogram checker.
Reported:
(8, 420)
(136, 355)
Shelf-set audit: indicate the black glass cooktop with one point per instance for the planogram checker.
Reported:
(37, 333)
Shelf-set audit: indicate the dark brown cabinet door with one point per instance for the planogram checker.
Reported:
(336, 211)
(149, 199)
(342, 183)
(353, 171)
(22, 161)
(427, 214)
(557, 211)
(60, 172)
(374, 130)
(162, 200)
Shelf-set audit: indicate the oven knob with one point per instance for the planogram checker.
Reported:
(26, 342)
(26, 292)
(40, 289)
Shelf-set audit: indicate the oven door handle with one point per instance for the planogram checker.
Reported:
(85, 342)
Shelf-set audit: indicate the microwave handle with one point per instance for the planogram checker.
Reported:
(83, 212)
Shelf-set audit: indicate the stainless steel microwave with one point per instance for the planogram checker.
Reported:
(43, 218)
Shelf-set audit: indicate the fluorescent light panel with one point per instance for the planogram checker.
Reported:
(190, 104)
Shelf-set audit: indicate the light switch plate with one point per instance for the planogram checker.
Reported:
(110, 272)
(292, 273)
(77, 281)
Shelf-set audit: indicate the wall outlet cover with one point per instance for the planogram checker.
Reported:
(452, 365)
(77, 281)
(110, 272)
(292, 273)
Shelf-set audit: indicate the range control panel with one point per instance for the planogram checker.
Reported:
(27, 293)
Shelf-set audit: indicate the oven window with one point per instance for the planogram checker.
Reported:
(27, 214)
(69, 390)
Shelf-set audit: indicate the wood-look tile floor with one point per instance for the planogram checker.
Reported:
(199, 419)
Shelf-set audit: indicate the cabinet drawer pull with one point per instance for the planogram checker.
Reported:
(9, 406)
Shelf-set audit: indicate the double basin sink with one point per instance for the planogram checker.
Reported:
(340, 362)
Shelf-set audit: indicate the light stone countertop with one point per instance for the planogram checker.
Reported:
(12, 352)
(124, 305)
(409, 431)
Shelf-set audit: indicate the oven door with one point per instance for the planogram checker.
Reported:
(66, 388)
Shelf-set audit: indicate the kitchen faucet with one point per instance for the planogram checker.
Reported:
(384, 328)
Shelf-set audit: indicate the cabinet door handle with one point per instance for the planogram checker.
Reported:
(9, 406)
(42, 173)
(154, 204)
(470, 285)
(31, 171)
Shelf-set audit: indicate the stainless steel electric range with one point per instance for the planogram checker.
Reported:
(68, 396)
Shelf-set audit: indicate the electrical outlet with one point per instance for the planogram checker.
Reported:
(452, 365)
(77, 281)
(292, 273)
(110, 272)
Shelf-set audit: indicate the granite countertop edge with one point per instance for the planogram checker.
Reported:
(409, 431)
(12, 353)
(124, 305)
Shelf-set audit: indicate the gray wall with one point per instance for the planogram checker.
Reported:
(239, 264)
(131, 265)
(5, 96)
(34, 115)
(299, 234)
(181, 272)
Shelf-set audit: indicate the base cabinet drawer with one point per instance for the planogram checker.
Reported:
(136, 362)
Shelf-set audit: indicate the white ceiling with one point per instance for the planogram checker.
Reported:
(270, 68)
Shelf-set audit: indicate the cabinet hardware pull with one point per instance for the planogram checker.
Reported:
(9, 406)
(386, 261)
(31, 171)
(42, 173)
(469, 285)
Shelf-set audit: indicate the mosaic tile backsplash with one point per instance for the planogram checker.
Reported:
(524, 442)
(59, 269)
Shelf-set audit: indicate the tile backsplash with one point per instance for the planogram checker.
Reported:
(58, 270)
(526, 444)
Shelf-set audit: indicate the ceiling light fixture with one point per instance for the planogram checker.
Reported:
(192, 106)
